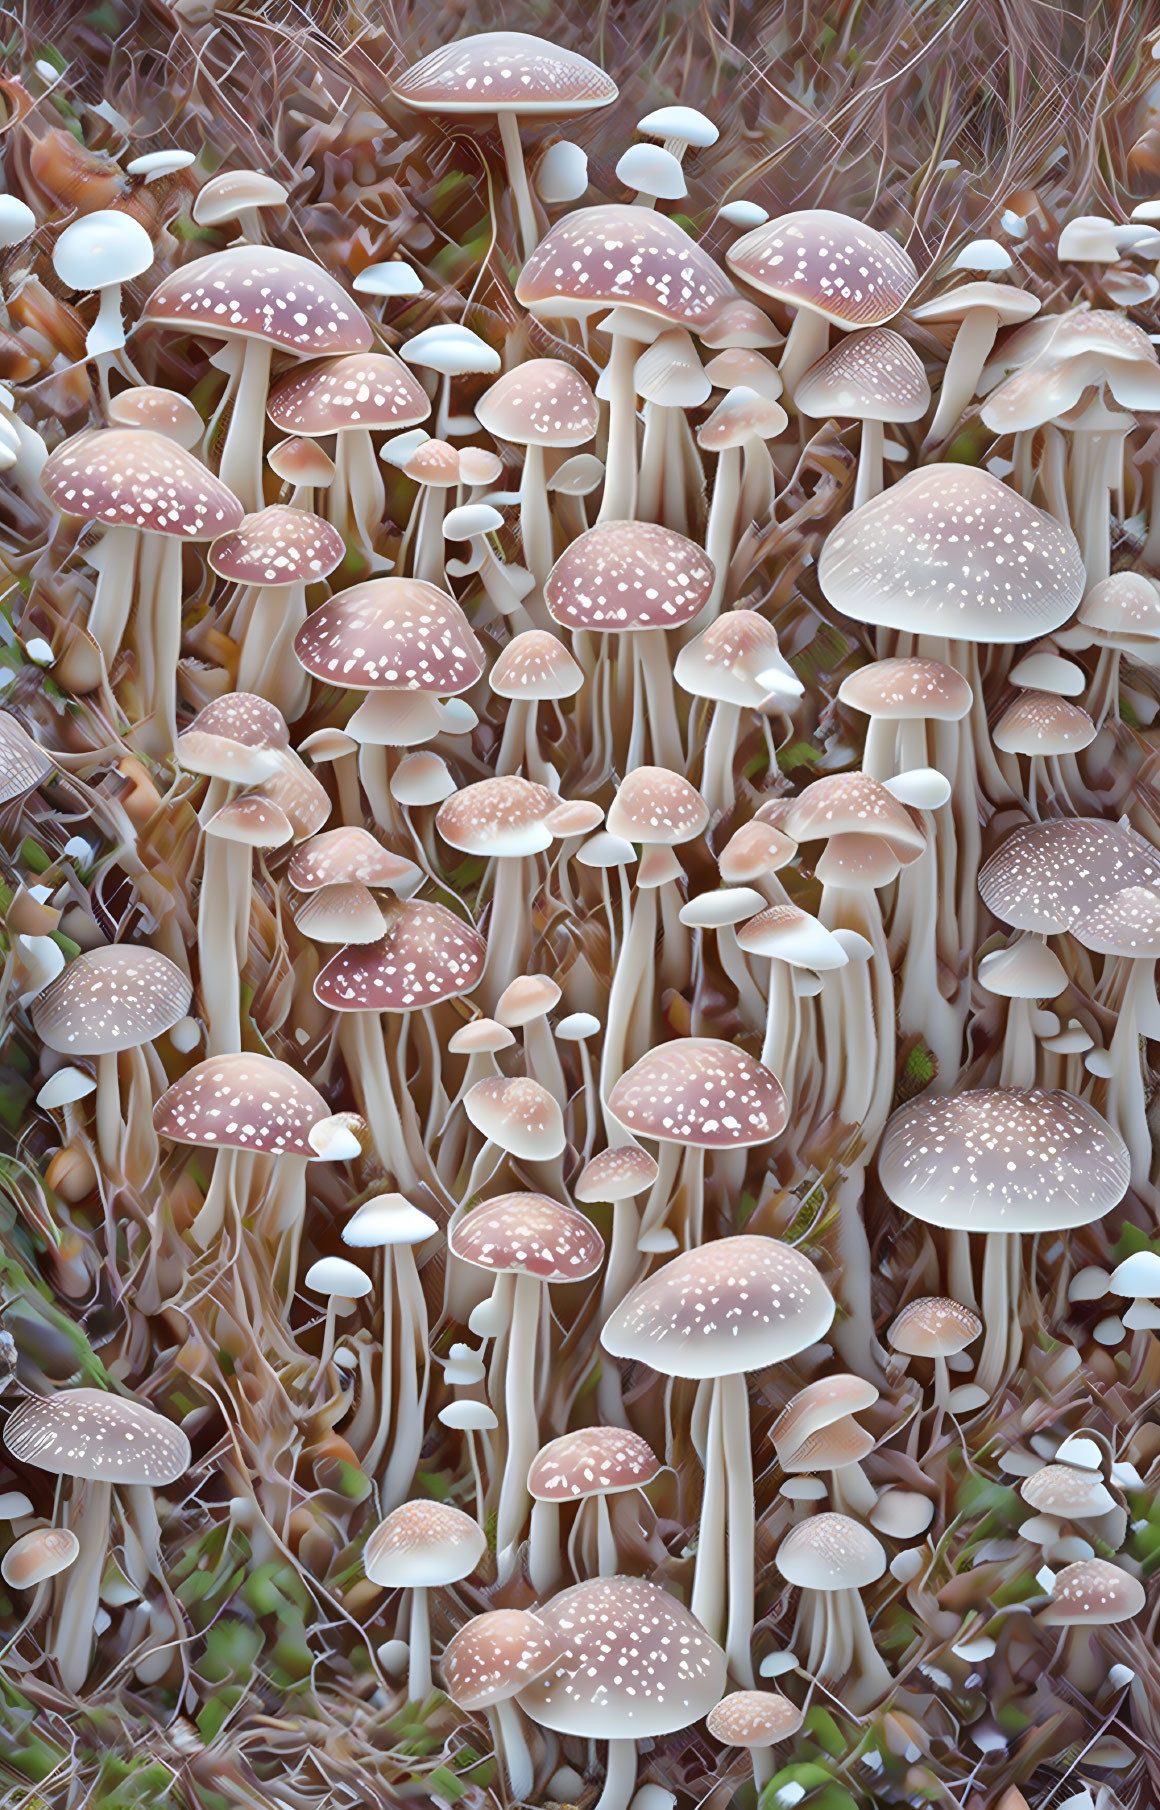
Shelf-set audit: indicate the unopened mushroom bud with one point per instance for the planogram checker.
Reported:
(39, 1555)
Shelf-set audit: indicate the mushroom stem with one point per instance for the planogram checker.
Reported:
(110, 1125)
(115, 561)
(419, 1684)
(513, 150)
(973, 342)
(357, 496)
(738, 1468)
(521, 1421)
(363, 1047)
(718, 786)
(607, 1562)
(511, 1743)
(618, 499)
(79, 1588)
(267, 663)
(535, 519)
(660, 700)
(868, 482)
(806, 342)
(1126, 1102)
(619, 1776)
(412, 1391)
(1003, 1338)
(544, 1566)
(719, 534)
(158, 637)
(241, 460)
(709, 1595)
(223, 939)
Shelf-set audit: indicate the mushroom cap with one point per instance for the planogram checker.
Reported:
(907, 689)
(482, 1034)
(535, 665)
(542, 402)
(840, 268)
(495, 1655)
(754, 850)
(252, 820)
(736, 660)
(130, 477)
(519, 1115)
(819, 1405)
(422, 778)
(262, 292)
(871, 376)
(346, 854)
(1040, 723)
(1138, 1276)
(592, 1461)
(504, 72)
(1125, 606)
(164, 411)
(951, 551)
(1047, 876)
(1094, 1592)
(387, 1219)
(241, 1102)
(335, 1276)
(934, 1326)
(852, 804)
(426, 955)
(23, 764)
(344, 912)
(753, 1719)
(830, 1552)
(634, 1662)
(1003, 1159)
(528, 1235)
(619, 1173)
(669, 371)
(498, 817)
(1064, 1491)
(98, 1436)
(656, 806)
(527, 997)
(39, 1555)
(621, 577)
(700, 1091)
(741, 367)
(391, 634)
(435, 462)
(301, 461)
(1127, 924)
(1003, 300)
(371, 390)
(233, 192)
(101, 248)
(278, 546)
(685, 124)
(722, 1309)
(742, 415)
(596, 257)
(422, 1545)
(111, 999)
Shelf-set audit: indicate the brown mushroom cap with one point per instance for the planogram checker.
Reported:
(596, 257)
(93, 1434)
(391, 634)
(129, 477)
(616, 1174)
(164, 411)
(853, 804)
(422, 1545)
(852, 274)
(654, 805)
(504, 71)
(722, 1309)
(703, 1092)
(535, 665)
(495, 1655)
(754, 1719)
(350, 853)
(620, 577)
(871, 376)
(242, 1102)
(908, 689)
(634, 1662)
(498, 817)
(1039, 722)
(111, 999)
(1047, 876)
(1095, 1592)
(542, 402)
(36, 1556)
(593, 1461)
(1003, 1159)
(278, 546)
(934, 1326)
(427, 955)
(372, 390)
(529, 1235)
(261, 292)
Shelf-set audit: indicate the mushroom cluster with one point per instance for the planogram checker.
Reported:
(579, 921)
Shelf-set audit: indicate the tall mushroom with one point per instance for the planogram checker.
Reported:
(485, 1665)
(271, 558)
(583, 1468)
(831, 1558)
(419, 1547)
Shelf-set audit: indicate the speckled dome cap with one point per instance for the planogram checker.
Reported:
(818, 259)
(93, 1434)
(542, 402)
(620, 577)
(592, 1461)
(830, 1552)
(242, 1102)
(1095, 1592)
(494, 71)
(427, 955)
(1048, 876)
(422, 1545)
(871, 376)
(597, 257)
(130, 477)
(391, 634)
(111, 999)
(371, 390)
(495, 1655)
(754, 1719)
(277, 546)
(701, 1091)
(529, 1235)
(261, 292)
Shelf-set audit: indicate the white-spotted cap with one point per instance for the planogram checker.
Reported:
(871, 376)
(426, 955)
(830, 1552)
(703, 1092)
(369, 390)
(542, 402)
(1123, 610)
(737, 660)
(498, 817)
(350, 853)
(634, 1663)
(1003, 1159)
(620, 577)
(242, 1102)
(619, 1173)
(528, 1235)
(163, 411)
(722, 1309)
(934, 1326)
(435, 462)
(36, 1556)
(504, 72)
(111, 999)
(853, 804)
(22, 763)
(495, 1655)
(1126, 924)
(597, 257)
(98, 1436)
(519, 1115)
(786, 933)
(253, 821)
(907, 689)
(535, 665)
(951, 551)
(592, 1461)
(1066, 1492)
(1047, 876)
(391, 634)
(262, 292)
(130, 477)
(1040, 723)
(838, 267)
(422, 1545)
(278, 546)
(1093, 1592)
(656, 806)
(754, 1719)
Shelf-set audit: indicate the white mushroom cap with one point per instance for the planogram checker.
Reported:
(231, 193)
(1039, 723)
(17, 221)
(934, 1326)
(93, 1434)
(422, 1545)
(38, 1555)
(1137, 1275)
(871, 376)
(1094, 1593)
(504, 72)
(982, 254)
(542, 402)
(722, 1309)
(830, 1552)
(1067, 1493)
(902, 1514)
(634, 1662)
(619, 1173)
(562, 173)
(821, 1404)
(728, 905)
(743, 213)
(785, 933)
(450, 349)
(1026, 969)
(393, 278)
(1048, 876)
(335, 1276)
(385, 1220)
(682, 123)
(527, 997)
(101, 248)
(651, 170)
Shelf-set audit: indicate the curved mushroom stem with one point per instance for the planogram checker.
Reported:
(513, 150)
(619, 1776)
(360, 1038)
(114, 560)
(535, 523)
(241, 466)
(267, 663)
(521, 1420)
(78, 1591)
(419, 1682)
(806, 342)
(738, 1467)
(618, 498)
(868, 482)
(544, 1566)
(511, 1743)
(718, 787)
(158, 640)
(973, 342)
(357, 496)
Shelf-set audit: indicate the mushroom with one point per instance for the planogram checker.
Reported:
(485, 1665)
(633, 1664)
(978, 310)
(389, 1224)
(271, 558)
(872, 377)
(1125, 929)
(40, 1554)
(757, 1721)
(503, 821)
(1046, 729)
(437, 469)
(936, 1327)
(338, 1280)
(745, 481)
(831, 1558)
(509, 75)
(712, 1314)
(99, 1440)
(1092, 1593)
(817, 1431)
(737, 663)
(241, 196)
(585, 1468)
(422, 1546)
(103, 250)
(534, 668)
